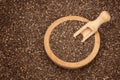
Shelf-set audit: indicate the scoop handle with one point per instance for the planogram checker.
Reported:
(102, 18)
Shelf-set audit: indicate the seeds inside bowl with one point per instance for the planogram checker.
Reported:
(68, 48)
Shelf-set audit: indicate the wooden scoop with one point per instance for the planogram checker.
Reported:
(92, 26)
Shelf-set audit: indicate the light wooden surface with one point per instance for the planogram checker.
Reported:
(69, 65)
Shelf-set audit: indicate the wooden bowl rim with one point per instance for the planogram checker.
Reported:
(70, 65)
